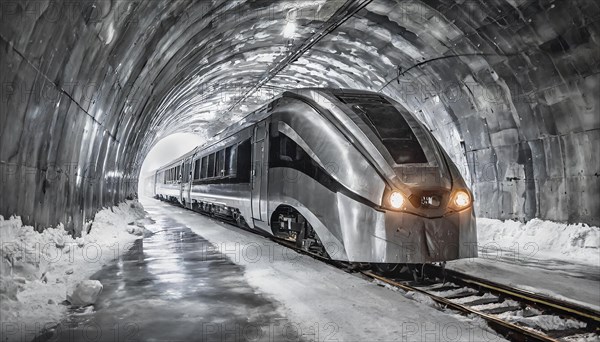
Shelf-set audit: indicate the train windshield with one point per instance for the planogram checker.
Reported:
(390, 126)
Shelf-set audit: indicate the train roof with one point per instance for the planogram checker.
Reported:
(262, 112)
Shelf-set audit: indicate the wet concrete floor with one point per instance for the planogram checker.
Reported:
(174, 286)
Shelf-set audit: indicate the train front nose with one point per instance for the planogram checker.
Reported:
(410, 238)
(388, 236)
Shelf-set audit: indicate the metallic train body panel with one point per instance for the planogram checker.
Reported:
(395, 237)
(343, 161)
(350, 229)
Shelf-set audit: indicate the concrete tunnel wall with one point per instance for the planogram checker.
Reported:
(508, 86)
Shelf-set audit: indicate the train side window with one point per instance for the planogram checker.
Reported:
(188, 170)
(230, 161)
(287, 149)
(244, 162)
(211, 165)
(197, 169)
(220, 163)
(204, 172)
(284, 151)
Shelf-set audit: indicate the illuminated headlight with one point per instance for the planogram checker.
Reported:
(396, 200)
(462, 199)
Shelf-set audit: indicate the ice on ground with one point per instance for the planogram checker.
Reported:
(38, 270)
(323, 302)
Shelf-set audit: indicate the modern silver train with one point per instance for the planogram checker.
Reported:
(351, 175)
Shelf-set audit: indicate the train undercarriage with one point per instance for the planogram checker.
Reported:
(289, 226)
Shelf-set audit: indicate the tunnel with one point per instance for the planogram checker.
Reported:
(509, 89)
(506, 92)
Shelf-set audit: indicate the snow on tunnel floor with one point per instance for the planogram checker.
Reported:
(39, 270)
(173, 285)
(197, 277)
(321, 301)
(558, 260)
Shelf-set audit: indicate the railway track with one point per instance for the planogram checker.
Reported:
(516, 314)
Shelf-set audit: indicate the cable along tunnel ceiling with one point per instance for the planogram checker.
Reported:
(509, 88)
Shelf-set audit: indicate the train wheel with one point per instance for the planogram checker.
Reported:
(287, 223)
(386, 269)
(301, 238)
(239, 220)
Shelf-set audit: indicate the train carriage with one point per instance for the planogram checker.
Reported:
(347, 174)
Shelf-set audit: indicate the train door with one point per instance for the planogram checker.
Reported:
(259, 173)
(154, 184)
(185, 183)
(180, 181)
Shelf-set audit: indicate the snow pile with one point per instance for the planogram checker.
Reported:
(540, 239)
(542, 322)
(38, 270)
(506, 303)
(85, 293)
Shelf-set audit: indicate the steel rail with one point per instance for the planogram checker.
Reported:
(509, 328)
(567, 308)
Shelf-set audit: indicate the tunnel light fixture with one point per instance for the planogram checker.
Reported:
(396, 200)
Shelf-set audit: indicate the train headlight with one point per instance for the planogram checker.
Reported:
(461, 199)
(396, 200)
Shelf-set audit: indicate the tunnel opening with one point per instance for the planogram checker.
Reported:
(162, 152)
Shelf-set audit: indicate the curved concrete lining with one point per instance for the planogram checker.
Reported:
(508, 86)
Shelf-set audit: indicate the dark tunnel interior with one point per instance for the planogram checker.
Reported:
(509, 87)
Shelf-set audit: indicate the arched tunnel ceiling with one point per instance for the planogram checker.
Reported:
(508, 86)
